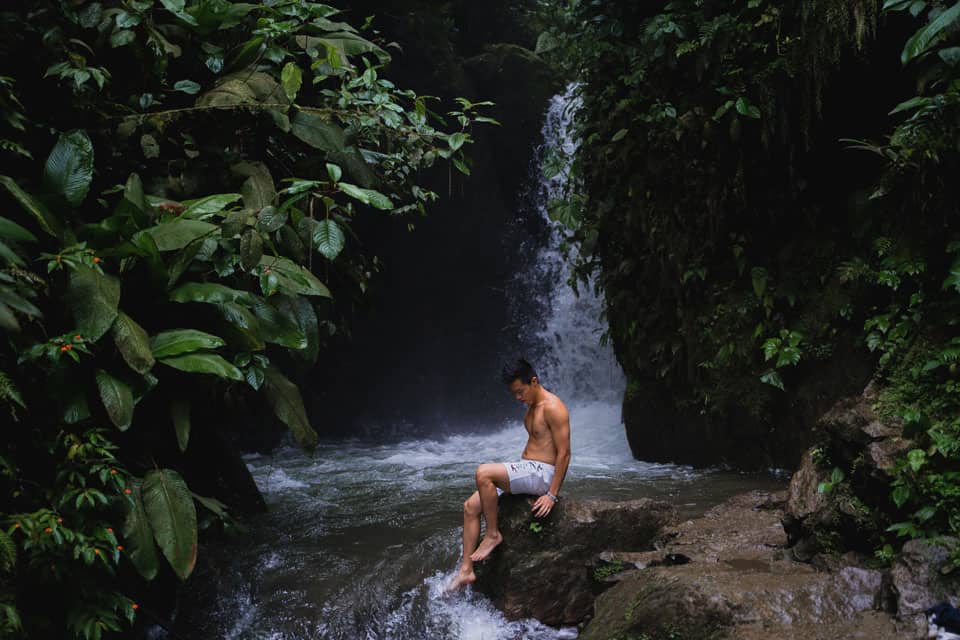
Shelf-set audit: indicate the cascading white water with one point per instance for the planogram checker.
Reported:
(570, 358)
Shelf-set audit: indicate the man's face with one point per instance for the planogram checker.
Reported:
(522, 391)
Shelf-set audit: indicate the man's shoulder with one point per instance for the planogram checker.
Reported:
(554, 407)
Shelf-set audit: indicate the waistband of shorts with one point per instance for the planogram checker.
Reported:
(546, 464)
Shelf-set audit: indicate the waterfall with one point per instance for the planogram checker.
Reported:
(563, 343)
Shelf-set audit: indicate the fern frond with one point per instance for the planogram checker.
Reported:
(8, 552)
(12, 147)
(10, 395)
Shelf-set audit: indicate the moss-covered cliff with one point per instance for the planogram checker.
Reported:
(766, 197)
(720, 204)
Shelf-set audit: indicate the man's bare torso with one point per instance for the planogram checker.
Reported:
(540, 444)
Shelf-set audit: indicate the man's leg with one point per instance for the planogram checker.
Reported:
(471, 535)
(489, 477)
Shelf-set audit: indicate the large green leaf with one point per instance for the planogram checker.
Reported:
(138, 536)
(178, 341)
(173, 518)
(294, 279)
(180, 413)
(277, 328)
(134, 203)
(287, 403)
(925, 38)
(48, 222)
(240, 316)
(93, 298)
(328, 238)
(235, 223)
(117, 399)
(317, 132)
(69, 168)
(355, 166)
(181, 262)
(208, 206)
(212, 293)
(301, 311)
(10, 230)
(366, 196)
(209, 363)
(244, 87)
(10, 256)
(176, 8)
(211, 16)
(133, 343)
(242, 329)
(75, 407)
(270, 219)
(176, 234)
(345, 43)
(251, 249)
(292, 78)
(258, 189)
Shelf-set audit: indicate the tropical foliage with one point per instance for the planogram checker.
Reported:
(741, 245)
(182, 180)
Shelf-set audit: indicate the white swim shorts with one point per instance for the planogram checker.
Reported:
(529, 476)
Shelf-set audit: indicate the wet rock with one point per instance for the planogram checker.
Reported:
(917, 580)
(544, 568)
(739, 583)
(851, 438)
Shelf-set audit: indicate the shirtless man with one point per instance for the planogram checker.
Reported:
(540, 471)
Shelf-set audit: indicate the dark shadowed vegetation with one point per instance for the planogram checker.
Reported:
(181, 184)
(766, 193)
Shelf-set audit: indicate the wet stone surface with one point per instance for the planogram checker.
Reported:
(740, 582)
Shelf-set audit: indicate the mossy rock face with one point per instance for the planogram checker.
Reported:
(858, 447)
(645, 607)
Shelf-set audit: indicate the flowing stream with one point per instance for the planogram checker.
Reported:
(361, 537)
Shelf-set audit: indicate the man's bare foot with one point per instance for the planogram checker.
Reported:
(462, 579)
(487, 545)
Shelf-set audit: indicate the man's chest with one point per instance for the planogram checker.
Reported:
(535, 423)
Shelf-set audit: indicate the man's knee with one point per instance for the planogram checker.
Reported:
(486, 473)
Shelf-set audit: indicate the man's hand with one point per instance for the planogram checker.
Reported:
(542, 506)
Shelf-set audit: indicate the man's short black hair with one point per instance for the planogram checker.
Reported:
(521, 370)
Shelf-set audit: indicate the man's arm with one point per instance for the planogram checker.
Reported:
(558, 421)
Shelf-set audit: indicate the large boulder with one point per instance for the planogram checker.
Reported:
(544, 568)
(726, 575)
(917, 579)
(849, 469)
